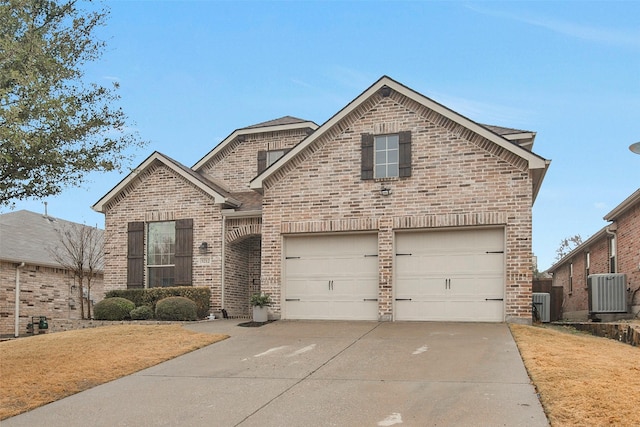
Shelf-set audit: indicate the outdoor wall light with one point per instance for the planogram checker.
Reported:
(385, 191)
(204, 247)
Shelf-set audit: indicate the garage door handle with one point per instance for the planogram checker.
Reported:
(494, 299)
(403, 299)
(292, 299)
(370, 299)
(495, 252)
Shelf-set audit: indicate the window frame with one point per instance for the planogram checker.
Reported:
(168, 267)
(387, 151)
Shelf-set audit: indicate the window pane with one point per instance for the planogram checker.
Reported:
(161, 276)
(381, 157)
(392, 170)
(381, 171)
(381, 143)
(392, 156)
(392, 141)
(274, 155)
(161, 243)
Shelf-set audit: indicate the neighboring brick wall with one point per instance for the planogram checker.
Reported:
(576, 303)
(629, 249)
(455, 182)
(44, 291)
(159, 194)
(237, 164)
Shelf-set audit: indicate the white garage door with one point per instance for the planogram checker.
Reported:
(450, 275)
(331, 277)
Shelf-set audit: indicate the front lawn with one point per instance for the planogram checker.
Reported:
(45, 368)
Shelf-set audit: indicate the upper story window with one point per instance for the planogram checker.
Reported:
(386, 156)
(268, 157)
(386, 153)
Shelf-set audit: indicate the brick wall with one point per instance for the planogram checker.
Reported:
(629, 249)
(159, 194)
(242, 270)
(44, 291)
(237, 164)
(458, 179)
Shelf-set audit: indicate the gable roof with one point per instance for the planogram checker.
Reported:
(580, 248)
(213, 189)
(282, 124)
(28, 236)
(537, 164)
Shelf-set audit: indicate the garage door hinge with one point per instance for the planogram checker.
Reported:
(292, 257)
(495, 252)
(403, 254)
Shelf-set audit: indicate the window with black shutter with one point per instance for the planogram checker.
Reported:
(267, 158)
(386, 156)
(184, 250)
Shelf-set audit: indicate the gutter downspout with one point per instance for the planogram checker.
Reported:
(222, 258)
(16, 331)
(612, 232)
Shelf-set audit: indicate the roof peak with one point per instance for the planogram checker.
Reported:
(285, 120)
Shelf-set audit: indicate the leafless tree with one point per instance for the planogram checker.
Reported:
(80, 249)
(567, 245)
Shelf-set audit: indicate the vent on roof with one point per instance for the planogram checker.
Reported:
(542, 303)
(607, 293)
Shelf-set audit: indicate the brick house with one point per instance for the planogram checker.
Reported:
(396, 208)
(613, 249)
(45, 287)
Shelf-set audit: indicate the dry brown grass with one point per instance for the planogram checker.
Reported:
(45, 368)
(582, 380)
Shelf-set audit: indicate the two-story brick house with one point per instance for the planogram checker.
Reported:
(396, 208)
(615, 248)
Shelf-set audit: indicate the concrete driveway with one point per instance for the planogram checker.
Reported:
(316, 373)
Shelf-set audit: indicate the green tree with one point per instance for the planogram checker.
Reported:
(54, 126)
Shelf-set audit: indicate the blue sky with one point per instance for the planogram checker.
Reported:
(191, 72)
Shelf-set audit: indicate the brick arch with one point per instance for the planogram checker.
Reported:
(242, 231)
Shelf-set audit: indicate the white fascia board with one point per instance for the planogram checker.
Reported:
(622, 207)
(250, 131)
(218, 198)
(232, 213)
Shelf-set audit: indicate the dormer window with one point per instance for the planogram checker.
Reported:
(267, 158)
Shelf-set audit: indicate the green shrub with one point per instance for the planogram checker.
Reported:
(113, 309)
(201, 295)
(143, 312)
(176, 308)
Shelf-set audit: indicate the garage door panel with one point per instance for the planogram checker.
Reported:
(331, 277)
(450, 275)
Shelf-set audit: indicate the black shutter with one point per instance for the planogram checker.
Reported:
(366, 171)
(184, 252)
(135, 255)
(405, 154)
(262, 161)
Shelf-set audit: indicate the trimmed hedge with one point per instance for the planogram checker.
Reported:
(113, 309)
(176, 308)
(201, 295)
(144, 312)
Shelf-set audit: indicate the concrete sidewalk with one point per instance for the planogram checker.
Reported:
(316, 373)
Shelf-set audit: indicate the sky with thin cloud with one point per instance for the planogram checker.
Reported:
(191, 72)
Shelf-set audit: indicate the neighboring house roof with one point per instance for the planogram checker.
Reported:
(28, 237)
(523, 138)
(581, 247)
(214, 189)
(612, 216)
(277, 125)
(537, 164)
(623, 207)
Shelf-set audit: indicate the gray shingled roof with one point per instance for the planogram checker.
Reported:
(27, 236)
(286, 120)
